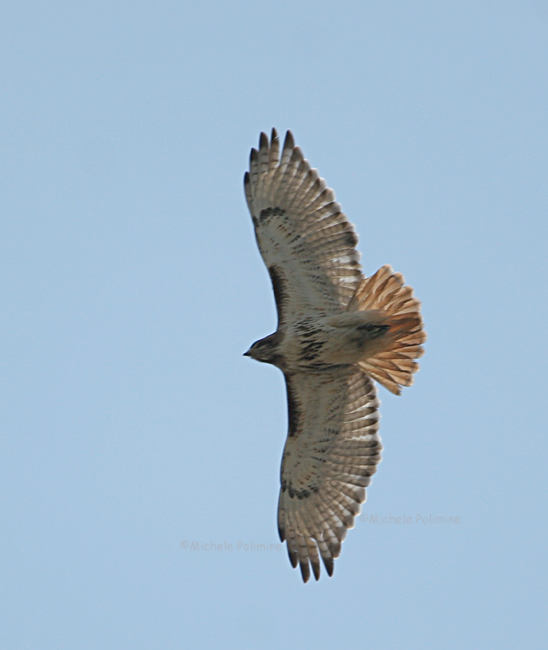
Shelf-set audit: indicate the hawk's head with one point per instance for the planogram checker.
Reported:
(266, 350)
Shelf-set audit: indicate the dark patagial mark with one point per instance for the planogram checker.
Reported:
(280, 293)
(293, 409)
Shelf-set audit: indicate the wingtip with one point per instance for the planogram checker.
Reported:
(316, 570)
(292, 557)
(305, 571)
(329, 565)
(289, 142)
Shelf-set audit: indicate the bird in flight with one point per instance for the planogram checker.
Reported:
(337, 332)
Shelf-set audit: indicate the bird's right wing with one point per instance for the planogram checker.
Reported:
(306, 242)
(332, 450)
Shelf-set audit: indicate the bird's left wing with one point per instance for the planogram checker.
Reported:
(306, 242)
(332, 450)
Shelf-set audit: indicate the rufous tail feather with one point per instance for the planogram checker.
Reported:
(386, 292)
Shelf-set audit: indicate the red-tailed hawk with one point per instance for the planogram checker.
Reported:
(337, 331)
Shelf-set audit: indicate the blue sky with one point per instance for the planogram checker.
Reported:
(131, 285)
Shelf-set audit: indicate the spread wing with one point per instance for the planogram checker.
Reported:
(332, 450)
(306, 242)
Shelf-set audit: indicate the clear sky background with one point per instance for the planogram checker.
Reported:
(131, 285)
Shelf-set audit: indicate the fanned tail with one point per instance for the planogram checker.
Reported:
(386, 293)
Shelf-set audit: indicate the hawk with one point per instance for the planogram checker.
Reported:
(337, 332)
